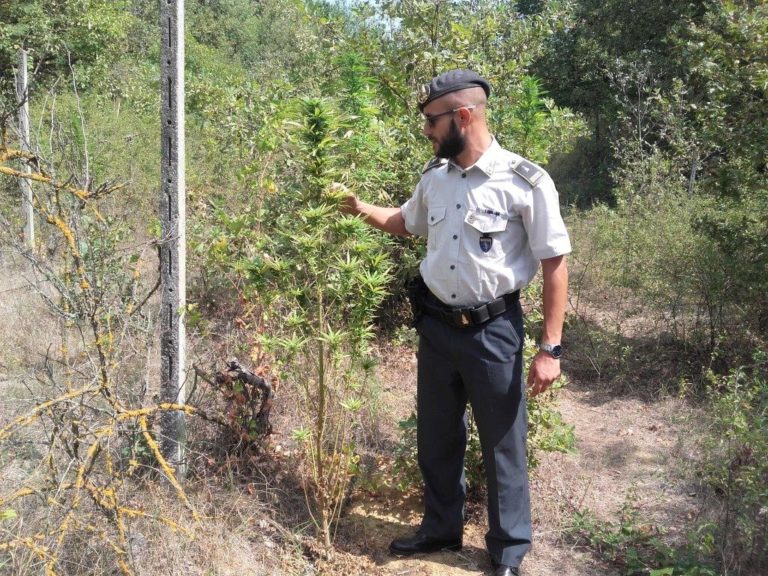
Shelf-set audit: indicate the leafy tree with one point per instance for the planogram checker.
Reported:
(595, 46)
(407, 43)
(83, 33)
(728, 53)
(675, 94)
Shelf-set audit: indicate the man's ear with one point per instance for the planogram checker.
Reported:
(465, 115)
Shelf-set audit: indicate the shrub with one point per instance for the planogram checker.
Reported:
(637, 545)
(735, 465)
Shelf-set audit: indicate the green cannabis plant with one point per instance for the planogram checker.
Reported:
(320, 277)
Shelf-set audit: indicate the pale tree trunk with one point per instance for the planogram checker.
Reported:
(22, 92)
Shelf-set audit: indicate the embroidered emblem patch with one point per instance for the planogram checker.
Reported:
(486, 241)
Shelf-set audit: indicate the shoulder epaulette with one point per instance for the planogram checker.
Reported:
(434, 163)
(528, 171)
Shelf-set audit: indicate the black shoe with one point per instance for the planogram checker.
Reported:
(504, 570)
(421, 544)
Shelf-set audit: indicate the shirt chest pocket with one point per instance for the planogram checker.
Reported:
(484, 232)
(436, 223)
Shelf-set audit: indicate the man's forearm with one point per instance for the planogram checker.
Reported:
(555, 298)
(387, 219)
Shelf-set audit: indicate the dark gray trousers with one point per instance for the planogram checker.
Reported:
(483, 365)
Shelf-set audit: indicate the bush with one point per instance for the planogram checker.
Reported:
(735, 466)
(636, 545)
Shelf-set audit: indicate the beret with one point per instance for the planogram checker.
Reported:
(451, 81)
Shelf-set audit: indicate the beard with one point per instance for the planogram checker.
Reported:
(454, 143)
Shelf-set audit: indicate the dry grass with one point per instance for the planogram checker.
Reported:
(27, 327)
(234, 533)
(234, 537)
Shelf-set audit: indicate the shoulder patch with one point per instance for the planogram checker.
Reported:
(434, 163)
(528, 171)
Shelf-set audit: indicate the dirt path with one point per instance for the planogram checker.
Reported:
(627, 451)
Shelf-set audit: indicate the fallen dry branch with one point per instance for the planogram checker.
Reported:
(248, 397)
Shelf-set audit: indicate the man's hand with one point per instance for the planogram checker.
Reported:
(338, 192)
(544, 370)
(387, 219)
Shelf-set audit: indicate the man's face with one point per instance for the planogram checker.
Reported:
(441, 129)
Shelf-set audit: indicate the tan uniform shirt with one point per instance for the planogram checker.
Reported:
(487, 227)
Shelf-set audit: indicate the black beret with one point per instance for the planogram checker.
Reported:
(451, 81)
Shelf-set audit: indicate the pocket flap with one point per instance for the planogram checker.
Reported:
(436, 215)
(486, 222)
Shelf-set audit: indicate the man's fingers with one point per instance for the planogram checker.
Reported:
(338, 188)
(337, 191)
(541, 375)
(534, 384)
(537, 385)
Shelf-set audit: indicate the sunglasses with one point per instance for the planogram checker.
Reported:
(432, 120)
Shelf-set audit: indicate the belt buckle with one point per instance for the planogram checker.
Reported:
(462, 317)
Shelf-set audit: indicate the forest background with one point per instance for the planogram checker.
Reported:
(651, 117)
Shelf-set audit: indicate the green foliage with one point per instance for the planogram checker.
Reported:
(632, 246)
(596, 37)
(689, 181)
(309, 255)
(536, 126)
(735, 464)
(547, 429)
(319, 277)
(596, 42)
(270, 41)
(406, 466)
(407, 43)
(85, 34)
(684, 127)
(637, 546)
(729, 62)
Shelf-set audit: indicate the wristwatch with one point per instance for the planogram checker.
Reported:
(554, 350)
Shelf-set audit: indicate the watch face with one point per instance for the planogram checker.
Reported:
(555, 350)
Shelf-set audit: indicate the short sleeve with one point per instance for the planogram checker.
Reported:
(415, 213)
(543, 223)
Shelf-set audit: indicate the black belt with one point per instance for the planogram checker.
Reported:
(466, 317)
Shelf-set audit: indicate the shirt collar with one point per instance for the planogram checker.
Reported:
(486, 163)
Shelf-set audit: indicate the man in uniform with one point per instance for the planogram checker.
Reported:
(489, 217)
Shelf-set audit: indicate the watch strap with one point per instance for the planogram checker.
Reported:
(554, 350)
